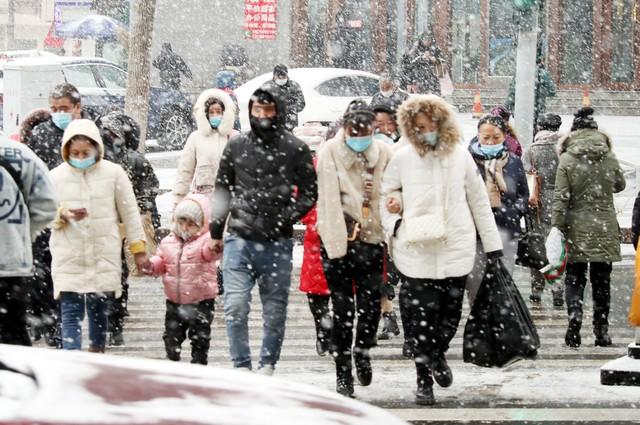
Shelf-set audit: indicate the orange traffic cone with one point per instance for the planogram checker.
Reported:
(477, 105)
(586, 100)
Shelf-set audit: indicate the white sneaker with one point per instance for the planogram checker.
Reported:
(266, 370)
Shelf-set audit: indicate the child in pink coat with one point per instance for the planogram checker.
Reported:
(188, 269)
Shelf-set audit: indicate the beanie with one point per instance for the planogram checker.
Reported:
(583, 118)
(190, 210)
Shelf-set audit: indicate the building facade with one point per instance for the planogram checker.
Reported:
(584, 43)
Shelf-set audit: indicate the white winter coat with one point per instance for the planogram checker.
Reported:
(422, 182)
(86, 254)
(198, 166)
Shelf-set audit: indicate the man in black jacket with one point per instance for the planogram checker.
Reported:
(266, 182)
(293, 97)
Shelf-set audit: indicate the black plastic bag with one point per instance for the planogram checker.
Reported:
(500, 329)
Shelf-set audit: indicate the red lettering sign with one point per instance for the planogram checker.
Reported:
(260, 19)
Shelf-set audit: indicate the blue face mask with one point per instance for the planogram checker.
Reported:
(430, 138)
(492, 151)
(61, 119)
(383, 138)
(82, 164)
(359, 144)
(215, 122)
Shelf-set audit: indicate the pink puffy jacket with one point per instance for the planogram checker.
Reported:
(188, 268)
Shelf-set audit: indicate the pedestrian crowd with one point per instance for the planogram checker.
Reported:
(393, 199)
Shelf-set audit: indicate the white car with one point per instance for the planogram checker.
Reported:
(327, 92)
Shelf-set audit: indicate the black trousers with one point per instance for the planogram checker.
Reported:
(117, 309)
(355, 281)
(13, 311)
(319, 306)
(433, 308)
(41, 305)
(575, 282)
(192, 320)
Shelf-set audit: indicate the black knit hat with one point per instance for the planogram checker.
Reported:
(583, 118)
(280, 69)
(551, 122)
(358, 113)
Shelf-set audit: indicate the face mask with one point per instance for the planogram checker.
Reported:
(215, 122)
(262, 127)
(185, 235)
(387, 93)
(492, 150)
(61, 119)
(82, 164)
(281, 81)
(383, 138)
(430, 138)
(359, 144)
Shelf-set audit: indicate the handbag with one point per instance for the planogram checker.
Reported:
(531, 250)
(534, 182)
(431, 226)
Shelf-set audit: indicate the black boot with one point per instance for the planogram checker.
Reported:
(424, 391)
(389, 326)
(363, 367)
(322, 346)
(558, 299)
(116, 338)
(602, 336)
(408, 349)
(344, 379)
(572, 337)
(441, 371)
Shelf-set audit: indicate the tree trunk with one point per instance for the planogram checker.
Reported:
(137, 100)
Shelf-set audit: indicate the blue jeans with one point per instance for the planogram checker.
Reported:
(72, 305)
(269, 264)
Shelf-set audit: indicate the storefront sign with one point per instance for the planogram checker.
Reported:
(260, 19)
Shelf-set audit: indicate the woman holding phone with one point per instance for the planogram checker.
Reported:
(95, 196)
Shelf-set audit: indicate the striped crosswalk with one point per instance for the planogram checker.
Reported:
(561, 386)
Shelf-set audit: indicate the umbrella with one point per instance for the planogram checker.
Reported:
(98, 27)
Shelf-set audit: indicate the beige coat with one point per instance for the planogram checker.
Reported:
(86, 253)
(427, 180)
(201, 155)
(341, 178)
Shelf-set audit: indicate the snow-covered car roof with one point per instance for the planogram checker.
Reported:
(54, 387)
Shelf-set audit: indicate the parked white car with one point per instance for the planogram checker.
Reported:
(327, 92)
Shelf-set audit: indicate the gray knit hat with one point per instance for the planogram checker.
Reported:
(190, 210)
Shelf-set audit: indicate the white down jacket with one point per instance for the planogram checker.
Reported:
(86, 254)
(198, 166)
(426, 183)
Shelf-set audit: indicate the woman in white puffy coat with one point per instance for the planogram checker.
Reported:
(432, 179)
(214, 112)
(95, 197)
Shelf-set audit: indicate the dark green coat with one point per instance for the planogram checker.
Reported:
(588, 176)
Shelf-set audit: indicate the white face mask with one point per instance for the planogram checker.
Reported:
(281, 81)
(387, 93)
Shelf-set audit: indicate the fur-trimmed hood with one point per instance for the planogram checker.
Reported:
(449, 133)
(228, 116)
(586, 142)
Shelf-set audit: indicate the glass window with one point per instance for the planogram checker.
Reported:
(317, 30)
(622, 33)
(351, 46)
(80, 76)
(339, 87)
(366, 86)
(401, 19)
(112, 77)
(502, 38)
(577, 42)
(465, 41)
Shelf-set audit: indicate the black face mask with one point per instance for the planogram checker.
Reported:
(264, 128)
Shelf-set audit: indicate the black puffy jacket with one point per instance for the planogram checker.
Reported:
(264, 186)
